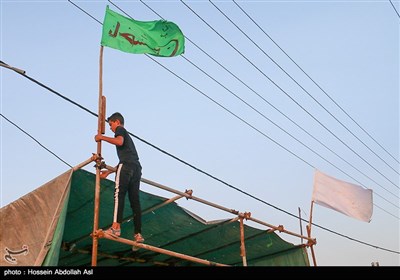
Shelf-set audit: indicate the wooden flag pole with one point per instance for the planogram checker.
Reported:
(100, 129)
(309, 234)
(301, 226)
(242, 245)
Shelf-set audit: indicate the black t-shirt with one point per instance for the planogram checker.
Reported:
(127, 152)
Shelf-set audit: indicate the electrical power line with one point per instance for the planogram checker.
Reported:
(308, 76)
(222, 181)
(270, 104)
(229, 185)
(259, 131)
(394, 8)
(40, 144)
(297, 83)
(290, 97)
(245, 122)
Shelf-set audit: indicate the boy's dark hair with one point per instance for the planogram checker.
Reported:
(116, 116)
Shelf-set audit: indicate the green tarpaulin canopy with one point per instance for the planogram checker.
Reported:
(57, 221)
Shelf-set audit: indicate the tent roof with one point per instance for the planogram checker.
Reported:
(169, 227)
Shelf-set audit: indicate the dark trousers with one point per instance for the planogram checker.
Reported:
(127, 180)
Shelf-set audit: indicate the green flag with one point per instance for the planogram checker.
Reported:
(159, 37)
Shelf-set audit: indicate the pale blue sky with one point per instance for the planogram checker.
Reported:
(349, 48)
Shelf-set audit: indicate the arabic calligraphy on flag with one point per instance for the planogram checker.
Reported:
(158, 38)
(349, 199)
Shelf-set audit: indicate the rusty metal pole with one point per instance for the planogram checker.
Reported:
(159, 250)
(98, 163)
(309, 235)
(301, 227)
(242, 246)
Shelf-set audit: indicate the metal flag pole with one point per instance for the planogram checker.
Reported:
(309, 235)
(100, 129)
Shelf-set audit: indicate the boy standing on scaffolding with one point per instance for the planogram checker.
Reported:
(127, 178)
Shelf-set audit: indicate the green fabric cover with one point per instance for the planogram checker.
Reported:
(170, 227)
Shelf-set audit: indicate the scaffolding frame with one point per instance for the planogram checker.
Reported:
(188, 194)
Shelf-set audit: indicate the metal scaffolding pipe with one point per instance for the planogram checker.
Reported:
(189, 196)
(279, 228)
(103, 234)
(86, 162)
(242, 245)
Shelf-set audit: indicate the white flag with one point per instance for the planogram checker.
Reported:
(349, 199)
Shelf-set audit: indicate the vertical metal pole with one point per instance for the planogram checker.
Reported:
(242, 246)
(98, 162)
(301, 227)
(309, 234)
